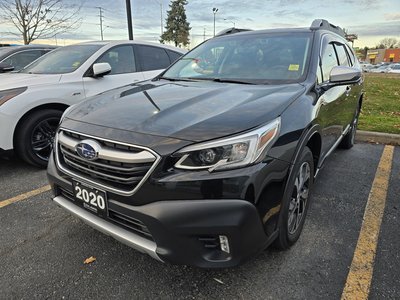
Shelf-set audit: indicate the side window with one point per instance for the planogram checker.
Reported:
(153, 58)
(21, 59)
(173, 55)
(351, 55)
(342, 55)
(120, 58)
(329, 61)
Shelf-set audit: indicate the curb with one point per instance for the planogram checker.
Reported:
(378, 137)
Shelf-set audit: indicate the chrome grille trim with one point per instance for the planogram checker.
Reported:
(137, 181)
(123, 156)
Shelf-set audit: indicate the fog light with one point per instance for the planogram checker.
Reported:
(224, 243)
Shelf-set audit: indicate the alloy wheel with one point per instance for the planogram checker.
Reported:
(43, 137)
(298, 202)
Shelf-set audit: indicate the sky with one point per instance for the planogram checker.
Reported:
(372, 20)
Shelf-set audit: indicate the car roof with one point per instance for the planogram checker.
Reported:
(135, 42)
(268, 31)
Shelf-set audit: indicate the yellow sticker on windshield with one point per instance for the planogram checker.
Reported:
(294, 67)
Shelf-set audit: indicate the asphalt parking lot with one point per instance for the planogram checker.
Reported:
(42, 247)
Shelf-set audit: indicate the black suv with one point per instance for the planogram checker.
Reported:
(213, 160)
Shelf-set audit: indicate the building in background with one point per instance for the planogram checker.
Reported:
(375, 56)
(392, 55)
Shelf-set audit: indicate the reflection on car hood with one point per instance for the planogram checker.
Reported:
(16, 80)
(194, 111)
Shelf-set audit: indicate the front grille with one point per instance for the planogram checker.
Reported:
(119, 167)
(129, 223)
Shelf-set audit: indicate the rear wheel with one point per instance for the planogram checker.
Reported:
(35, 135)
(295, 206)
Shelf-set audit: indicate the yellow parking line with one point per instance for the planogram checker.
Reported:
(25, 196)
(358, 281)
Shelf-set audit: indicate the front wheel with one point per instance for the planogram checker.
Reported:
(295, 206)
(348, 140)
(35, 136)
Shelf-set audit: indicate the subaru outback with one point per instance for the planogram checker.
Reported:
(215, 159)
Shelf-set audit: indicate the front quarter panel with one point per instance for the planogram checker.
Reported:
(12, 111)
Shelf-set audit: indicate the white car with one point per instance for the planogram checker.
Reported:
(394, 68)
(33, 100)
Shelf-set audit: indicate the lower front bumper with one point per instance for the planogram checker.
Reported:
(185, 232)
(133, 240)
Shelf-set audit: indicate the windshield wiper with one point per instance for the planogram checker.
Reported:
(174, 79)
(227, 80)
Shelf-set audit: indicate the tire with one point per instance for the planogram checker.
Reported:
(348, 140)
(35, 135)
(295, 205)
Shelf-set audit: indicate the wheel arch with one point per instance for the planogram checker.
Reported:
(54, 105)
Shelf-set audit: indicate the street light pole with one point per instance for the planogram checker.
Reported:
(129, 16)
(234, 24)
(214, 11)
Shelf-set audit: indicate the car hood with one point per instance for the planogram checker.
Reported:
(194, 111)
(16, 80)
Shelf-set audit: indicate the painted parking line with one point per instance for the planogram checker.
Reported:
(25, 196)
(358, 281)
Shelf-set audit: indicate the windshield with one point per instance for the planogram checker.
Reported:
(62, 60)
(251, 58)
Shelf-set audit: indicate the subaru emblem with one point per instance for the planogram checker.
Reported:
(88, 149)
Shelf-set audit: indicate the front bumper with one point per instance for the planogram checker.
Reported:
(186, 232)
(181, 231)
(7, 127)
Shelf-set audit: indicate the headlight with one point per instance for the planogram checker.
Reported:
(231, 152)
(9, 94)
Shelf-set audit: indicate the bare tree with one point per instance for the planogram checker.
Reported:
(36, 19)
(387, 43)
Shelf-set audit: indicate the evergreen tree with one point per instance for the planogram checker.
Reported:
(177, 28)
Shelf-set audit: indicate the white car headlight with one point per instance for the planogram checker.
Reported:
(230, 152)
(9, 94)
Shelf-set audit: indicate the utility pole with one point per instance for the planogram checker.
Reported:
(204, 34)
(160, 2)
(101, 21)
(129, 17)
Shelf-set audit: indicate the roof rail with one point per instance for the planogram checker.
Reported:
(231, 31)
(324, 24)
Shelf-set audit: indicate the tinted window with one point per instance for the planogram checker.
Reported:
(342, 55)
(121, 59)
(173, 55)
(62, 60)
(22, 59)
(351, 55)
(329, 61)
(153, 58)
(256, 58)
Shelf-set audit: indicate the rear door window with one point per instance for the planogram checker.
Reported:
(152, 58)
(173, 55)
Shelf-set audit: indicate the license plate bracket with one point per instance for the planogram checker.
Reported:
(90, 198)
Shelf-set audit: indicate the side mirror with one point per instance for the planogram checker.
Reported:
(344, 75)
(4, 67)
(101, 69)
